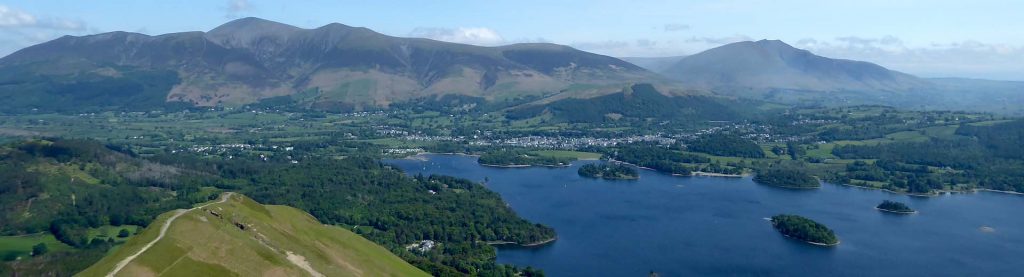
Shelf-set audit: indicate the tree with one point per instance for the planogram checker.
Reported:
(123, 233)
(39, 249)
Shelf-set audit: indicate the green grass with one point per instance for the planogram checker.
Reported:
(721, 159)
(22, 245)
(989, 123)
(110, 231)
(396, 143)
(824, 151)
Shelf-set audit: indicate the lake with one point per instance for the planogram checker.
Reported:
(685, 226)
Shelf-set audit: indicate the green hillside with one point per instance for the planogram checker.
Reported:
(236, 236)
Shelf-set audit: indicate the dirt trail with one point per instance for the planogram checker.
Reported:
(163, 231)
(301, 262)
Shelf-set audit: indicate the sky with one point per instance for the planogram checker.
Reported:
(928, 38)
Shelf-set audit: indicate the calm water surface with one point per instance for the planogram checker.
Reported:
(685, 226)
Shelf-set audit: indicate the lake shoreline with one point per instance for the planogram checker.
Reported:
(895, 212)
(692, 174)
(808, 242)
(524, 165)
(937, 193)
(532, 244)
(712, 174)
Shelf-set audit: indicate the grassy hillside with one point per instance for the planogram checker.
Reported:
(241, 237)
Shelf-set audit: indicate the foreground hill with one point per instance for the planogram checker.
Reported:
(236, 236)
(337, 67)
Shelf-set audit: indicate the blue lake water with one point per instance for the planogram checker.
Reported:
(686, 226)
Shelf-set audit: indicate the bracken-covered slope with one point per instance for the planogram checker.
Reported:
(249, 59)
(237, 236)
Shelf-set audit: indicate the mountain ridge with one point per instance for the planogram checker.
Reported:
(349, 68)
(773, 64)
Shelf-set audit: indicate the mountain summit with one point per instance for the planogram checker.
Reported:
(773, 64)
(335, 67)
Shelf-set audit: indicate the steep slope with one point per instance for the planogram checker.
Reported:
(237, 236)
(249, 59)
(773, 64)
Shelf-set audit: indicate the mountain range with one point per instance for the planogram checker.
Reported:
(342, 68)
(773, 64)
(773, 71)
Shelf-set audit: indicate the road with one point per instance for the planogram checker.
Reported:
(163, 231)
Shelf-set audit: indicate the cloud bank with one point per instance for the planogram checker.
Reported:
(467, 35)
(11, 18)
(968, 58)
(235, 8)
(19, 29)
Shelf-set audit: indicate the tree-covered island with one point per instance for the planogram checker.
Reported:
(609, 171)
(802, 228)
(894, 207)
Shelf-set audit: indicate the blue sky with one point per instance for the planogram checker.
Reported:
(931, 38)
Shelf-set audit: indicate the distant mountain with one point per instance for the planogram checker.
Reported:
(240, 237)
(656, 64)
(771, 70)
(773, 64)
(337, 67)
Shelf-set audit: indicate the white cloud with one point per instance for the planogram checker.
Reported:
(718, 40)
(14, 18)
(235, 8)
(239, 5)
(675, 27)
(602, 46)
(643, 47)
(467, 35)
(951, 59)
(646, 43)
(19, 29)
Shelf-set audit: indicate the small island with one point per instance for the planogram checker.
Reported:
(802, 228)
(895, 207)
(787, 178)
(609, 171)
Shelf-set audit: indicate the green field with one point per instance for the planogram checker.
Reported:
(21, 246)
(109, 231)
